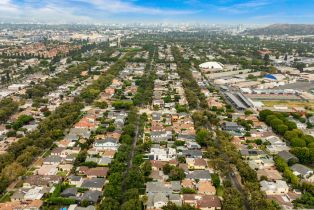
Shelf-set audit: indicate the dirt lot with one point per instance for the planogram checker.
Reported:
(290, 104)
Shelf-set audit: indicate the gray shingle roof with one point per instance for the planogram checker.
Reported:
(83, 132)
(192, 153)
(251, 152)
(92, 196)
(71, 137)
(157, 187)
(174, 197)
(286, 155)
(303, 170)
(199, 174)
(186, 137)
(72, 191)
(176, 185)
(53, 159)
(93, 183)
(75, 178)
(160, 197)
(105, 161)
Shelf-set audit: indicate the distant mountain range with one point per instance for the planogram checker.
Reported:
(282, 29)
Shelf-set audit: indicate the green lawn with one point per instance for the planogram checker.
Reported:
(219, 191)
(6, 197)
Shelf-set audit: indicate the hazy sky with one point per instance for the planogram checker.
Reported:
(164, 11)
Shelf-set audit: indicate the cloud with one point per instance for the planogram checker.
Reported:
(118, 6)
(245, 7)
(40, 11)
(56, 14)
(8, 6)
(78, 11)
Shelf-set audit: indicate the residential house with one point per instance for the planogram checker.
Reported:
(278, 187)
(92, 196)
(192, 153)
(65, 143)
(53, 160)
(187, 138)
(158, 136)
(202, 175)
(88, 122)
(271, 174)
(203, 202)
(28, 194)
(104, 161)
(175, 186)
(206, 188)
(232, 126)
(70, 158)
(159, 103)
(188, 183)
(157, 187)
(288, 157)
(261, 163)
(157, 164)
(75, 180)
(163, 154)
(157, 127)
(69, 192)
(157, 201)
(192, 145)
(156, 175)
(41, 180)
(176, 199)
(209, 202)
(196, 163)
(109, 153)
(108, 143)
(71, 137)
(156, 116)
(47, 170)
(96, 172)
(84, 133)
(302, 171)
(93, 184)
(25, 205)
(252, 154)
(57, 151)
(276, 145)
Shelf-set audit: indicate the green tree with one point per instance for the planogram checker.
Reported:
(109, 204)
(232, 199)
(134, 204)
(186, 190)
(264, 113)
(203, 137)
(176, 174)
(215, 180)
(12, 171)
(131, 194)
(146, 167)
(291, 134)
(298, 142)
(166, 169)
(248, 112)
(281, 129)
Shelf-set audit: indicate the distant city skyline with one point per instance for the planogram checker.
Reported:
(162, 11)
